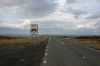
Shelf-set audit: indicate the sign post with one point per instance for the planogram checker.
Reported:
(33, 31)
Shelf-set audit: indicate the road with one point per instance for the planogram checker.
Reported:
(62, 53)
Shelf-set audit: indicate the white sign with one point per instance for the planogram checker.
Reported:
(34, 27)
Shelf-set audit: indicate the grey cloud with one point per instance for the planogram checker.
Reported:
(98, 25)
(10, 3)
(76, 12)
(70, 1)
(96, 0)
(94, 16)
(28, 8)
(40, 8)
(62, 29)
(8, 30)
(86, 32)
(54, 27)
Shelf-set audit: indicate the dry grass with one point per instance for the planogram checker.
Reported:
(22, 42)
(22, 51)
(90, 42)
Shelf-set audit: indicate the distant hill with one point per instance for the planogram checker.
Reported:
(91, 37)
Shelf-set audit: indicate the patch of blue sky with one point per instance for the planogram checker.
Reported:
(13, 18)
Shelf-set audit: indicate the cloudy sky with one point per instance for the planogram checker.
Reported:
(72, 17)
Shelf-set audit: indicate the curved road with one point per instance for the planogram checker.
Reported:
(62, 53)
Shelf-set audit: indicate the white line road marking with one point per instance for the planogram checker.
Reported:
(46, 50)
(60, 41)
(45, 61)
(83, 57)
(46, 47)
(46, 54)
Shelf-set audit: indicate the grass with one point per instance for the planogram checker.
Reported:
(22, 42)
(93, 42)
(22, 51)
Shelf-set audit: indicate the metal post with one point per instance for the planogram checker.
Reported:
(33, 31)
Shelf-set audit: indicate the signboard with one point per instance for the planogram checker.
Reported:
(34, 27)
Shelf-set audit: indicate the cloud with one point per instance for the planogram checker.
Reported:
(98, 24)
(76, 12)
(10, 3)
(89, 25)
(94, 16)
(12, 31)
(70, 1)
(27, 8)
(24, 24)
(51, 27)
(52, 16)
(96, 1)
(13, 27)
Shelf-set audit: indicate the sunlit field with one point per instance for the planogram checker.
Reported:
(26, 42)
(93, 42)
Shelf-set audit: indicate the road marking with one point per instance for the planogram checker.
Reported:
(46, 47)
(45, 61)
(22, 60)
(60, 41)
(83, 57)
(46, 50)
(45, 58)
(46, 54)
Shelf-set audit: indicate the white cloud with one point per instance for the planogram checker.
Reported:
(90, 25)
(22, 25)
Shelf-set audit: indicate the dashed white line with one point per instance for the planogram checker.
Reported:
(60, 42)
(46, 54)
(83, 57)
(45, 58)
(45, 61)
(46, 47)
(46, 50)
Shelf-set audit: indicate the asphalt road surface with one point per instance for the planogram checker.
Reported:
(61, 53)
